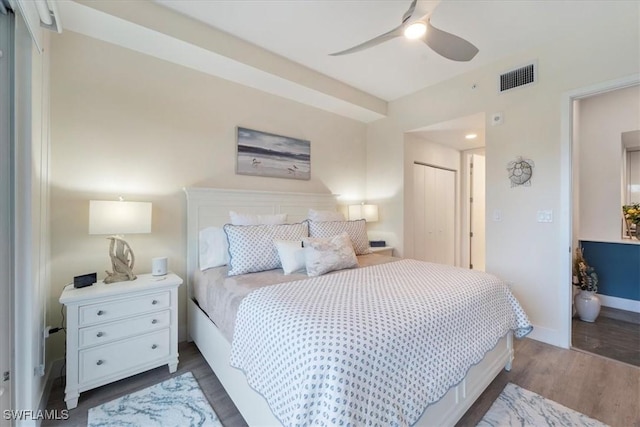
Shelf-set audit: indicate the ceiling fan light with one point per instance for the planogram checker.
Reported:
(415, 30)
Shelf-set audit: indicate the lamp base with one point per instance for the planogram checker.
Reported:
(122, 261)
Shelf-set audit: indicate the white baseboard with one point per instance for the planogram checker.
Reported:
(549, 336)
(620, 303)
(52, 374)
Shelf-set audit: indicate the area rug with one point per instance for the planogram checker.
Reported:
(517, 406)
(175, 402)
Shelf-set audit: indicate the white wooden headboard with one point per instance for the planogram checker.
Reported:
(207, 207)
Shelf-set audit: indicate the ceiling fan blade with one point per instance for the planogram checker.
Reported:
(409, 11)
(396, 32)
(449, 45)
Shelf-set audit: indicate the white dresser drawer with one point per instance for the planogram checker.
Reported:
(119, 329)
(102, 361)
(116, 309)
(105, 333)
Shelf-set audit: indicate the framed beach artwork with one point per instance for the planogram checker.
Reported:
(266, 154)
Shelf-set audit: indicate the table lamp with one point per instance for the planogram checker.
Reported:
(118, 218)
(367, 212)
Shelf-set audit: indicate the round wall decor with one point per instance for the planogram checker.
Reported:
(520, 171)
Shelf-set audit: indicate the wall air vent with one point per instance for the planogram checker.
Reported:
(519, 77)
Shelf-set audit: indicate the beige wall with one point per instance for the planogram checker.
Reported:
(128, 124)
(532, 255)
(602, 120)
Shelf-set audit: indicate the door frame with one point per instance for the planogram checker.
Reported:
(6, 215)
(567, 208)
(465, 204)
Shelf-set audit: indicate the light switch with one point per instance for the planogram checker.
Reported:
(545, 216)
(497, 215)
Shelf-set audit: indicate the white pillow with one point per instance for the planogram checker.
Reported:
(251, 247)
(255, 219)
(321, 216)
(356, 230)
(213, 248)
(291, 253)
(323, 255)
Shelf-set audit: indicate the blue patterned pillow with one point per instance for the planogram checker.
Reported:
(355, 229)
(251, 247)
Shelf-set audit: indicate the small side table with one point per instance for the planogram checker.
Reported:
(383, 250)
(120, 329)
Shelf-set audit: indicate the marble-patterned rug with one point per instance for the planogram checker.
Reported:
(175, 402)
(517, 406)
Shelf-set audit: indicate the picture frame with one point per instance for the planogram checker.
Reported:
(269, 155)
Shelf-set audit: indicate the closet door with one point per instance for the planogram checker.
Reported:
(434, 214)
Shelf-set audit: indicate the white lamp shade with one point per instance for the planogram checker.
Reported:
(109, 217)
(367, 212)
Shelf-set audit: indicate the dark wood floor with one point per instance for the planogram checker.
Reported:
(614, 334)
(598, 387)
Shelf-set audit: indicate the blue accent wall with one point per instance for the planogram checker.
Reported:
(617, 266)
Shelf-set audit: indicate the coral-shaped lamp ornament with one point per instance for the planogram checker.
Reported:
(118, 218)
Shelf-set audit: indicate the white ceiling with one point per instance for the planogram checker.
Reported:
(452, 133)
(282, 46)
(306, 31)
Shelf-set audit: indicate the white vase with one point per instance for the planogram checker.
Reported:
(587, 305)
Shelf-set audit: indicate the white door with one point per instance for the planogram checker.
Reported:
(6, 296)
(434, 202)
(477, 215)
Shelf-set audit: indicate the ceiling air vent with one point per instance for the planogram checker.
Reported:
(519, 77)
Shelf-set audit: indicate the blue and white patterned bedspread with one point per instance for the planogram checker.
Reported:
(370, 346)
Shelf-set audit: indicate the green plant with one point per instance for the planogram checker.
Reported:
(584, 276)
(632, 213)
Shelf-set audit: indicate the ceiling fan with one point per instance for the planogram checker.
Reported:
(445, 44)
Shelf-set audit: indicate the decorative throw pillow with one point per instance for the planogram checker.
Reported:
(291, 253)
(322, 216)
(323, 255)
(213, 248)
(255, 219)
(251, 247)
(355, 229)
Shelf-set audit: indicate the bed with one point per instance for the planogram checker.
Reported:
(210, 207)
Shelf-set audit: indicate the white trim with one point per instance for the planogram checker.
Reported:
(566, 190)
(6, 219)
(549, 336)
(620, 303)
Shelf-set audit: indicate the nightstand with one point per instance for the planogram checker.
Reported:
(120, 329)
(383, 250)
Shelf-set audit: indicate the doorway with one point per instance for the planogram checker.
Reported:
(595, 118)
(451, 146)
(434, 204)
(477, 205)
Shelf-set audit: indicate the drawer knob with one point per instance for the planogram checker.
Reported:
(154, 321)
(100, 334)
(100, 312)
(153, 347)
(99, 362)
(154, 302)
